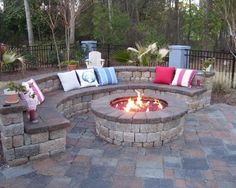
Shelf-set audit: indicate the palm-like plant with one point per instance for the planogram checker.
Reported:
(143, 55)
(10, 57)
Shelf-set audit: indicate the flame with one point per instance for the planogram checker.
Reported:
(137, 104)
(160, 106)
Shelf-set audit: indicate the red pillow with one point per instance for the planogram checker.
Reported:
(164, 75)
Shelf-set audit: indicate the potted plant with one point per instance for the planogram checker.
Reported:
(12, 91)
(207, 64)
(71, 64)
(142, 55)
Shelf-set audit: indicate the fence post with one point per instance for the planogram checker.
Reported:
(233, 72)
(108, 54)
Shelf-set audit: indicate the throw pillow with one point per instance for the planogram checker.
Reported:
(69, 80)
(33, 90)
(184, 77)
(87, 77)
(164, 75)
(106, 76)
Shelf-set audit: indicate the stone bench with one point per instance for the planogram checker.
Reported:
(23, 141)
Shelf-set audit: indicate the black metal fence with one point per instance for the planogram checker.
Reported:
(224, 66)
(43, 56)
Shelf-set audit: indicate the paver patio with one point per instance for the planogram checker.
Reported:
(204, 157)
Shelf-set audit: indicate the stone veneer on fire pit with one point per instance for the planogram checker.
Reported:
(142, 129)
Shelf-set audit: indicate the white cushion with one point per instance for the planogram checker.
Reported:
(183, 77)
(87, 77)
(69, 80)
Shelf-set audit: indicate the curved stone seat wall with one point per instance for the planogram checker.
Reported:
(23, 141)
(78, 101)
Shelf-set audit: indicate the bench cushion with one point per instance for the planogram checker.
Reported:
(106, 76)
(87, 77)
(183, 77)
(69, 80)
(164, 75)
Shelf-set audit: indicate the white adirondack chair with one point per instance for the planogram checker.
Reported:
(94, 60)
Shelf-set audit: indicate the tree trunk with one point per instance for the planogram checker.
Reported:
(72, 22)
(29, 24)
(177, 21)
(190, 23)
(109, 2)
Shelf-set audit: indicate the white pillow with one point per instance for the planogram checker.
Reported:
(69, 80)
(183, 77)
(87, 77)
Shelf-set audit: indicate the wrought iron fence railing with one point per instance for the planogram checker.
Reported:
(43, 56)
(224, 65)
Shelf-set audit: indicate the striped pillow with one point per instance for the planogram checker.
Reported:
(183, 77)
(32, 87)
(106, 76)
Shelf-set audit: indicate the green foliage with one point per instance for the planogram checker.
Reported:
(122, 56)
(113, 32)
(207, 62)
(16, 87)
(71, 62)
(141, 55)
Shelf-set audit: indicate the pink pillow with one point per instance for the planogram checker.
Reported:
(184, 77)
(164, 75)
(32, 87)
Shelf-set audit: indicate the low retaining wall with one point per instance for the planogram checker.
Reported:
(23, 141)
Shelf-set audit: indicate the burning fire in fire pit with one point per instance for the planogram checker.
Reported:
(138, 103)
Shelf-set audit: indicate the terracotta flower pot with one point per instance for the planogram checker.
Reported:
(71, 67)
(11, 97)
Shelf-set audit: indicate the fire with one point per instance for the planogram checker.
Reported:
(138, 104)
(160, 106)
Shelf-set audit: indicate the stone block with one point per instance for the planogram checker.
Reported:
(27, 139)
(104, 131)
(135, 128)
(51, 145)
(117, 142)
(128, 137)
(7, 142)
(138, 144)
(13, 129)
(87, 98)
(68, 104)
(126, 75)
(55, 152)
(8, 119)
(147, 128)
(137, 74)
(27, 151)
(17, 162)
(18, 141)
(148, 144)
(8, 154)
(152, 137)
(49, 84)
(111, 134)
(171, 124)
(39, 137)
(118, 136)
(61, 133)
(39, 156)
(146, 74)
(140, 137)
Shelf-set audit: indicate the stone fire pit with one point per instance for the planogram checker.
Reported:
(142, 129)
